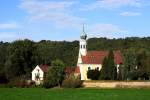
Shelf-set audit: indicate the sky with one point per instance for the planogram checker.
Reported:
(60, 20)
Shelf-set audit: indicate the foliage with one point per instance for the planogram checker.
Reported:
(72, 81)
(109, 70)
(55, 75)
(93, 74)
(20, 57)
(3, 78)
(136, 65)
(18, 82)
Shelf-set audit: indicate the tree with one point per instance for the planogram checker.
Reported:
(112, 67)
(147, 65)
(104, 71)
(142, 65)
(130, 63)
(19, 61)
(55, 75)
(109, 70)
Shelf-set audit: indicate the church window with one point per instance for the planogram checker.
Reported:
(84, 46)
(81, 46)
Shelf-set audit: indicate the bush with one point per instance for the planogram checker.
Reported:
(72, 81)
(93, 74)
(49, 83)
(17, 82)
(3, 79)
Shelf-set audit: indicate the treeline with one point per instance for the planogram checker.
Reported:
(18, 58)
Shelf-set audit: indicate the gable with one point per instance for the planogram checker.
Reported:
(36, 69)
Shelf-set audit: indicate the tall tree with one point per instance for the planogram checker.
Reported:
(109, 70)
(130, 63)
(104, 71)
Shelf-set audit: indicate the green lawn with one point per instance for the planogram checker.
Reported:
(73, 94)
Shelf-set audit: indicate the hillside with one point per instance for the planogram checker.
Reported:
(19, 57)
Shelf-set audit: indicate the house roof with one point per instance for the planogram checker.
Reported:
(77, 69)
(97, 57)
(44, 68)
(70, 70)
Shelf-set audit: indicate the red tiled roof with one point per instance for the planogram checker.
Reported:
(70, 70)
(97, 57)
(44, 68)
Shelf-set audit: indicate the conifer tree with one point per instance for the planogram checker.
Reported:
(109, 70)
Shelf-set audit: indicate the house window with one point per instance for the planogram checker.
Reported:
(89, 68)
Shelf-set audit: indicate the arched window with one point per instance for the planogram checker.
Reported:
(81, 46)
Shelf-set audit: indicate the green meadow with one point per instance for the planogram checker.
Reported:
(73, 94)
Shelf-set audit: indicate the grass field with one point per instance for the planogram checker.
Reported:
(73, 94)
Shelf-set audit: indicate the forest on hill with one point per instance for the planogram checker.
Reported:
(18, 58)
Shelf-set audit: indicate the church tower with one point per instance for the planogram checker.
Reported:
(82, 45)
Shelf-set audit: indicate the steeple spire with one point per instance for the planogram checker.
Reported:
(83, 34)
(83, 29)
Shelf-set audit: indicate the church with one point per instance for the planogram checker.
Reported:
(88, 60)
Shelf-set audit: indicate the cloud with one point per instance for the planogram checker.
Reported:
(12, 25)
(109, 4)
(130, 14)
(57, 12)
(106, 30)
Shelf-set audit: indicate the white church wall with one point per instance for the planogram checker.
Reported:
(85, 67)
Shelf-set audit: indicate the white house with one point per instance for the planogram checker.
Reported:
(88, 60)
(39, 72)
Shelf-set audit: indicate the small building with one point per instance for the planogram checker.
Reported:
(39, 72)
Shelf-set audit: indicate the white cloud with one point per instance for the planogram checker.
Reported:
(12, 25)
(57, 12)
(108, 4)
(130, 14)
(106, 30)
